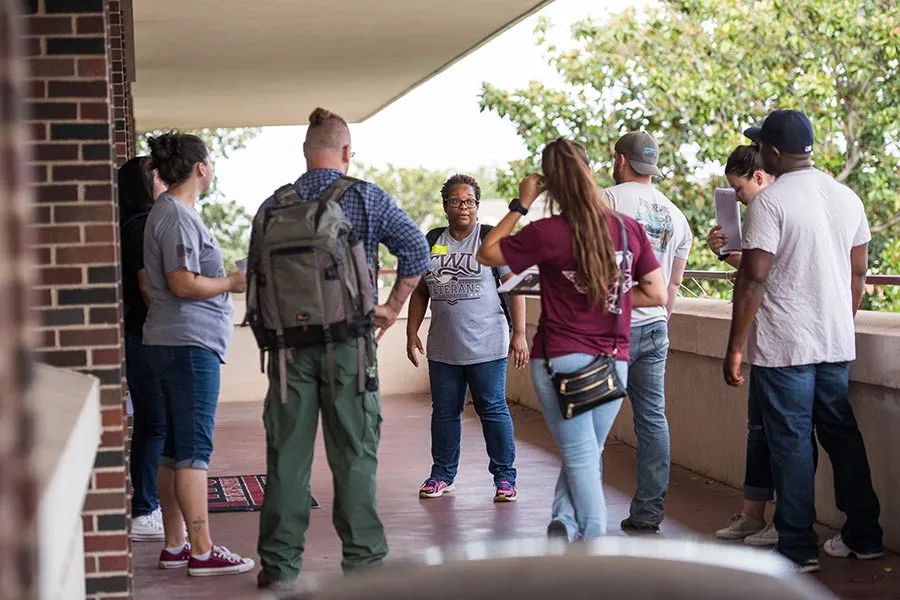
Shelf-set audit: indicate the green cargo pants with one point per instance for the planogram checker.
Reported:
(351, 423)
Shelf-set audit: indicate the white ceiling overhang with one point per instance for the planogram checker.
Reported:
(235, 63)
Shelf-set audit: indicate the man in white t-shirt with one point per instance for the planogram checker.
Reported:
(670, 235)
(801, 281)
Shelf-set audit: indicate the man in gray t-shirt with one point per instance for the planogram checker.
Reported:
(468, 343)
(801, 281)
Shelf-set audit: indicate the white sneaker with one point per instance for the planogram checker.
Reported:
(147, 529)
(767, 537)
(837, 548)
(808, 566)
(740, 526)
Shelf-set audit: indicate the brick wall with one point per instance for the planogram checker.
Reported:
(79, 129)
(17, 502)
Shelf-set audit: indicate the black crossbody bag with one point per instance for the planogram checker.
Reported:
(599, 382)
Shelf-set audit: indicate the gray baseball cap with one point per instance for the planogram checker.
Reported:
(641, 151)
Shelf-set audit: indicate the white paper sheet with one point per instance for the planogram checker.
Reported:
(728, 217)
(524, 284)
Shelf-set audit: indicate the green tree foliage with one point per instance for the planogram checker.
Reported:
(228, 221)
(695, 73)
(418, 192)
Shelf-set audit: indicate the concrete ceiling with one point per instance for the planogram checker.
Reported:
(233, 63)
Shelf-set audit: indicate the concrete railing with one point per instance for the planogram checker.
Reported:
(708, 420)
(67, 422)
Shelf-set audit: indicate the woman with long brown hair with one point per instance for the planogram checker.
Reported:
(585, 312)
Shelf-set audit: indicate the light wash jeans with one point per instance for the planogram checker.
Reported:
(579, 503)
(647, 394)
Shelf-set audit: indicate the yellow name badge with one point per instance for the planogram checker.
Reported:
(439, 249)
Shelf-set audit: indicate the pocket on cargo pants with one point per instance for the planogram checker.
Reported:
(373, 419)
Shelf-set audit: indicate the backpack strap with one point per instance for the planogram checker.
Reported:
(334, 193)
(433, 236)
(287, 193)
(504, 298)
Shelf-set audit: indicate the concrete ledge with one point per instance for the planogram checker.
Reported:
(67, 415)
(700, 326)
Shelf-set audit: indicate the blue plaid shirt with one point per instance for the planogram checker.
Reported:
(375, 217)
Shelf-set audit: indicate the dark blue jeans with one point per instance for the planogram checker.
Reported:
(791, 397)
(149, 430)
(758, 484)
(449, 386)
(189, 376)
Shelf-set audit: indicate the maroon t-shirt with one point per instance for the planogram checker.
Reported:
(573, 326)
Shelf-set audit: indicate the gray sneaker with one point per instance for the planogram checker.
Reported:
(766, 537)
(739, 527)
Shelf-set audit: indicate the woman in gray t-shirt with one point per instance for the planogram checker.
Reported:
(468, 343)
(186, 336)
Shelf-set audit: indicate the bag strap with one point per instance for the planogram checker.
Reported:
(484, 230)
(548, 364)
(621, 287)
(620, 291)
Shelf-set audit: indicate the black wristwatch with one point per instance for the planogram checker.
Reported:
(516, 206)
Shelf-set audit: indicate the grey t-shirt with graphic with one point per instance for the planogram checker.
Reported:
(468, 325)
(174, 239)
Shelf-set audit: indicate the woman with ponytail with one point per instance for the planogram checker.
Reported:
(577, 253)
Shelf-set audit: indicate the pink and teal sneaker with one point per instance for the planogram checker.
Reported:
(506, 492)
(435, 488)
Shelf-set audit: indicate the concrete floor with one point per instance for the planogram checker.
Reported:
(695, 506)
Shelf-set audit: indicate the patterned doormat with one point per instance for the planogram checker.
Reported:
(238, 493)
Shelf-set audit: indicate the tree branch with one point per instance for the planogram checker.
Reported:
(852, 147)
(893, 222)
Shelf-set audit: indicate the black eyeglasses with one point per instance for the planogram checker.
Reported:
(456, 202)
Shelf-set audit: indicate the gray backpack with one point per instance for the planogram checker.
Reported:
(308, 281)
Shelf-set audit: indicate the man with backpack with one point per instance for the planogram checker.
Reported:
(468, 343)
(312, 305)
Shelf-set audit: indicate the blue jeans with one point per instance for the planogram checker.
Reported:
(149, 430)
(190, 381)
(579, 503)
(647, 392)
(790, 398)
(758, 484)
(449, 385)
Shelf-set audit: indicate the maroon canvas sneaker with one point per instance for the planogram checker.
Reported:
(221, 561)
(175, 560)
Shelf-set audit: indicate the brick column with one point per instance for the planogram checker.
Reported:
(17, 484)
(74, 47)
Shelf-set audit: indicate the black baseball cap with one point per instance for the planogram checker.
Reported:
(788, 130)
